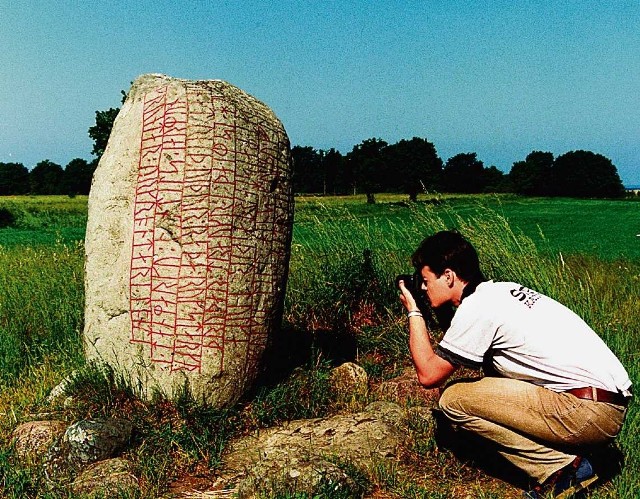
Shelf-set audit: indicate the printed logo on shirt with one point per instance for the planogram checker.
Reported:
(526, 296)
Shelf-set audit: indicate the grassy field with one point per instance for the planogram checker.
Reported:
(344, 256)
(607, 229)
(42, 220)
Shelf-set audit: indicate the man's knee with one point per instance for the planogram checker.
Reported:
(465, 398)
(450, 400)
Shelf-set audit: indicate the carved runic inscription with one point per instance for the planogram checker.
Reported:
(203, 197)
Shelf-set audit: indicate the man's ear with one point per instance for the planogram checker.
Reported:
(450, 277)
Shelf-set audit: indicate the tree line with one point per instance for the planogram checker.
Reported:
(413, 166)
(372, 166)
(47, 177)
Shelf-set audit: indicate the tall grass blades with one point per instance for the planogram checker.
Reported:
(41, 308)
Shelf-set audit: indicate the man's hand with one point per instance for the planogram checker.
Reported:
(431, 369)
(406, 298)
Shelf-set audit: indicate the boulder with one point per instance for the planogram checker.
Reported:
(304, 456)
(188, 239)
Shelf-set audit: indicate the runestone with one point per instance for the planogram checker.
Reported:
(188, 239)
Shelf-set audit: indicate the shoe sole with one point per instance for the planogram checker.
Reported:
(577, 487)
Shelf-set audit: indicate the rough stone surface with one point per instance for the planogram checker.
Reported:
(405, 389)
(94, 440)
(60, 393)
(33, 439)
(349, 380)
(188, 238)
(300, 452)
(304, 476)
(109, 478)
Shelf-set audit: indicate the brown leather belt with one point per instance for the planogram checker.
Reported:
(599, 395)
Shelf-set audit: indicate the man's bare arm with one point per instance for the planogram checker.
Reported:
(432, 370)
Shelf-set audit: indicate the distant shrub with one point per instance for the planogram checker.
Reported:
(6, 218)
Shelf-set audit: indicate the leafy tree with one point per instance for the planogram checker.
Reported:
(46, 178)
(102, 129)
(413, 166)
(494, 180)
(586, 174)
(14, 179)
(533, 176)
(100, 132)
(336, 177)
(319, 171)
(307, 169)
(368, 162)
(464, 172)
(77, 176)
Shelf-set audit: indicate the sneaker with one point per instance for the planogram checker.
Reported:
(574, 478)
(571, 479)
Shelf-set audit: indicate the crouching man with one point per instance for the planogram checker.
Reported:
(559, 389)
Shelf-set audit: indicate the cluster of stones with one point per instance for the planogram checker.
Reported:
(85, 454)
(301, 455)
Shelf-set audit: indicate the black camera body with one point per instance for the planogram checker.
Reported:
(413, 283)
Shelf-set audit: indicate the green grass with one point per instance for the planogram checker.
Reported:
(604, 228)
(41, 308)
(607, 229)
(42, 220)
(345, 254)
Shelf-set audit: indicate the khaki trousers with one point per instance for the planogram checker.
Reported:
(534, 428)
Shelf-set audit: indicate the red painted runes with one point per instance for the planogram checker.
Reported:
(196, 219)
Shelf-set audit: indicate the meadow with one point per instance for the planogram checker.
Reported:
(340, 303)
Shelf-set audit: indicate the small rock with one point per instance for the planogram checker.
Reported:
(348, 380)
(109, 478)
(94, 440)
(32, 440)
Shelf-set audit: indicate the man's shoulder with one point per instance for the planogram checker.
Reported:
(484, 300)
(490, 295)
(495, 287)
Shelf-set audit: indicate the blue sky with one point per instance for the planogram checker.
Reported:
(499, 78)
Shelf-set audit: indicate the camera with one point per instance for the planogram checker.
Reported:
(413, 283)
(443, 314)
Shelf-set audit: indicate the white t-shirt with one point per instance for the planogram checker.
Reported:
(531, 337)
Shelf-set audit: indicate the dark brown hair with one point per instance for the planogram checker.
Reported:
(448, 250)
